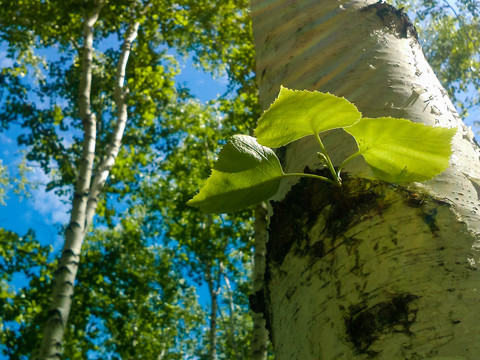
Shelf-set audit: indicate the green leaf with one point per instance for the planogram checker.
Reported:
(240, 153)
(245, 174)
(296, 114)
(399, 150)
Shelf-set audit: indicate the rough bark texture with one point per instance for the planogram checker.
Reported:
(375, 270)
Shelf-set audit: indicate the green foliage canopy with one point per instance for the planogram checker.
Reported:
(44, 42)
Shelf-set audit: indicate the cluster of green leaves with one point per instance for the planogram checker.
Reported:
(130, 293)
(23, 260)
(248, 171)
(47, 108)
(18, 183)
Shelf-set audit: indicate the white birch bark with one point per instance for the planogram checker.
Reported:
(214, 290)
(380, 271)
(87, 190)
(108, 161)
(63, 283)
(231, 314)
(259, 334)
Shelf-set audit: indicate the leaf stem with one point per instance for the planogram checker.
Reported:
(318, 177)
(346, 161)
(324, 155)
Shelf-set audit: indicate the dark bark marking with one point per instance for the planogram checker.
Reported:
(63, 269)
(294, 216)
(69, 252)
(290, 292)
(73, 226)
(429, 217)
(427, 207)
(257, 301)
(365, 325)
(394, 19)
(80, 195)
(266, 299)
(55, 315)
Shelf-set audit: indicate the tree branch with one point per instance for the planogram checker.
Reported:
(122, 116)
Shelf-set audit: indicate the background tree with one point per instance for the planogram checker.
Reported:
(54, 129)
(22, 255)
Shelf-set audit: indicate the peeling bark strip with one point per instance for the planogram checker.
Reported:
(371, 270)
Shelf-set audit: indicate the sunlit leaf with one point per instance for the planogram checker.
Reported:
(399, 150)
(295, 114)
(245, 174)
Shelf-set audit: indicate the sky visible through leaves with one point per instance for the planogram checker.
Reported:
(45, 212)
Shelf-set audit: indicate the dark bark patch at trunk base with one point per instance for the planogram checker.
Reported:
(365, 325)
(295, 215)
(313, 222)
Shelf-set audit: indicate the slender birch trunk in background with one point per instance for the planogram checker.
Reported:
(231, 310)
(379, 270)
(259, 335)
(87, 190)
(213, 289)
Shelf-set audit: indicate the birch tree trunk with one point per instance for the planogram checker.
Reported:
(375, 270)
(213, 289)
(231, 315)
(88, 186)
(259, 334)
